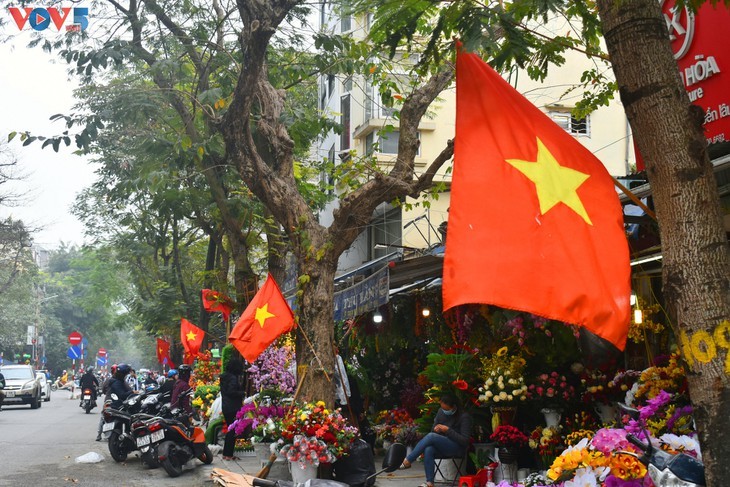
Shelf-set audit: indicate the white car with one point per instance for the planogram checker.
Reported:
(45, 386)
(21, 386)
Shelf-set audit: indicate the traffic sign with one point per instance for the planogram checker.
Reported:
(85, 342)
(74, 338)
(102, 352)
(74, 352)
(101, 361)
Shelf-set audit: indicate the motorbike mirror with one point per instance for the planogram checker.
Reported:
(394, 457)
(114, 396)
(633, 413)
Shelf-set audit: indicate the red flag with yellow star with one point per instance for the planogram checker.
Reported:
(191, 337)
(216, 301)
(163, 353)
(267, 316)
(535, 223)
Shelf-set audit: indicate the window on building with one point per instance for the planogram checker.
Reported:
(345, 121)
(347, 84)
(571, 124)
(387, 142)
(345, 16)
(386, 232)
(330, 84)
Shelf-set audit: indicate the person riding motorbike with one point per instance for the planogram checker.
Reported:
(89, 381)
(119, 386)
(169, 383)
(179, 397)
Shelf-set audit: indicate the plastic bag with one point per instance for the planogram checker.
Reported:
(91, 457)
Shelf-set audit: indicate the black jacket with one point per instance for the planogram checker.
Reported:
(459, 423)
(232, 393)
(89, 380)
(121, 389)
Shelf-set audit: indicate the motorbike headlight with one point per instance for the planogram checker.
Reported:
(149, 400)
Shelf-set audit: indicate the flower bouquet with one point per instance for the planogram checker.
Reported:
(547, 442)
(271, 371)
(503, 380)
(264, 421)
(316, 421)
(307, 451)
(389, 421)
(551, 389)
(203, 399)
(509, 437)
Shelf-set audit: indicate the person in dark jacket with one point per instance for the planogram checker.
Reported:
(169, 383)
(106, 391)
(232, 394)
(180, 398)
(449, 437)
(89, 381)
(119, 386)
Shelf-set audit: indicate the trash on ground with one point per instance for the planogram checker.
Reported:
(91, 457)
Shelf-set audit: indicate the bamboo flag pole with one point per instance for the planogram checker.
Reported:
(634, 198)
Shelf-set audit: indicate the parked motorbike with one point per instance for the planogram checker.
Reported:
(118, 422)
(87, 400)
(393, 459)
(665, 469)
(173, 444)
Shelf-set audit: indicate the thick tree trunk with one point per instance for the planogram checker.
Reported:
(668, 131)
(277, 248)
(245, 280)
(315, 314)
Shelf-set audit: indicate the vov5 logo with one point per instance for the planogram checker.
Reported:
(40, 18)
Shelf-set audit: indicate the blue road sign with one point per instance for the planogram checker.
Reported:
(73, 352)
(101, 361)
(85, 342)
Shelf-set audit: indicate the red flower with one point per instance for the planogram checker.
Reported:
(461, 385)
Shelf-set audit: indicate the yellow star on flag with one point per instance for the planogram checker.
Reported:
(554, 183)
(262, 314)
(160, 350)
(191, 336)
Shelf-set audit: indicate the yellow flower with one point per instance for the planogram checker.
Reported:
(502, 352)
(320, 404)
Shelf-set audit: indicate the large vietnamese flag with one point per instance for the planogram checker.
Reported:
(535, 223)
(266, 317)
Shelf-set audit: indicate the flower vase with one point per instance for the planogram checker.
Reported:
(507, 456)
(300, 475)
(606, 413)
(263, 452)
(503, 415)
(552, 416)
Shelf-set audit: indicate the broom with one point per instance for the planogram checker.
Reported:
(267, 468)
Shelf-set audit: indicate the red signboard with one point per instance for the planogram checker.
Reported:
(74, 338)
(700, 45)
(102, 352)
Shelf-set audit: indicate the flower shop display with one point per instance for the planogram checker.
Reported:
(272, 371)
(206, 370)
(668, 375)
(203, 399)
(552, 390)
(547, 443)
(388, 423)
(509, 439)
(503, 379)
(305, 454)
(316, 421)
(264, 421)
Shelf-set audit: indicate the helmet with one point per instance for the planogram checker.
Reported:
(172, 372)
(114, 369)
(90, 368)
(123, 369)
(184, 370)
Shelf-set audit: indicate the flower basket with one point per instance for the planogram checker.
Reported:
(315, 421)
(507, 455)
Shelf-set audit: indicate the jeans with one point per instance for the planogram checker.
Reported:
(433, 446)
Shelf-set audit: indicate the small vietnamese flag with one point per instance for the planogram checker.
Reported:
(267, 316)
(535, 223)
(163, 352)
(191, 337)
(216, 301)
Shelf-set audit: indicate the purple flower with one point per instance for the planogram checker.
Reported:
(612, 481)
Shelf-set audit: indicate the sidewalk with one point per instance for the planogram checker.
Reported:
(249, 465)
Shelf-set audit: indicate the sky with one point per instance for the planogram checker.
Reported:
(32, 89)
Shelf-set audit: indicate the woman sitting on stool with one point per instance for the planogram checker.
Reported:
(448, 438)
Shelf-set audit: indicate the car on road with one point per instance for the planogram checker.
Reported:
(21, 386)
(45, 385)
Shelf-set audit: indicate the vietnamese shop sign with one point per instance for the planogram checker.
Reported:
(700, 46)
(364, 296)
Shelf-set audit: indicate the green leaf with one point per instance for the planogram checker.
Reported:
(12, 135)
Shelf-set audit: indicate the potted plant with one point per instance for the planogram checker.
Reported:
(503, 385)
(264, 423)
(316, 421)
(509, 439)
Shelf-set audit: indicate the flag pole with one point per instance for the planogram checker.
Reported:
(634, 198)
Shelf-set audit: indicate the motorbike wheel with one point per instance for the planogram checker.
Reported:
(88, 408)
(171, 463)
(206, 456)
(115, 448)
(150, 458)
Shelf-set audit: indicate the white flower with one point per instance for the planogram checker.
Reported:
(496, 399)
(516, 392)
(684, 442)
(489, 382)
(510, 398)
(503, 395)
(584, 477)
(500, 385)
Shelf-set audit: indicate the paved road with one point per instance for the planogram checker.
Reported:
(38, 448)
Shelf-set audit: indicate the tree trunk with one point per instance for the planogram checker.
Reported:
(207, 284)
(277, 248)
(315, 313)
(696, 267)
(245, 280)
